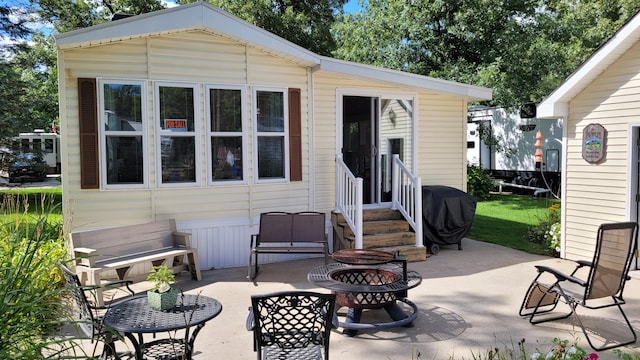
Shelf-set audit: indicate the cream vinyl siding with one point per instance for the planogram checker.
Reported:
(190, 57)
(442, 141)
(441, 129)
(597, 193)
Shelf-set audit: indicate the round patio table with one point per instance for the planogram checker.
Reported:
(134, 316)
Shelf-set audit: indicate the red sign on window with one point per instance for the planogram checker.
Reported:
(175, 124)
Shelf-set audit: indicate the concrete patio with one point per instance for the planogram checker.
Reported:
(468, 303)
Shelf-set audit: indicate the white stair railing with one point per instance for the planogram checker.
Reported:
(349, 199)
(407, 196)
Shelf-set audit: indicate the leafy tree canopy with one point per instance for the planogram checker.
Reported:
(523, 49)
(306, 23)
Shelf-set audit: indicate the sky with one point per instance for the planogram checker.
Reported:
(350, 7)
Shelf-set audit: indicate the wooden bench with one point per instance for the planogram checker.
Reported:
(120, 248)
(289, 233)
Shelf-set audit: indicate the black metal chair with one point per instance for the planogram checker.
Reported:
(601, 288)
(88, 317)
(291, 324)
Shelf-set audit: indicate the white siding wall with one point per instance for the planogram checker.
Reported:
(597, 193)
(199, 58)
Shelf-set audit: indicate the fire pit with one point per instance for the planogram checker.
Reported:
(376, 282)
(365, 276)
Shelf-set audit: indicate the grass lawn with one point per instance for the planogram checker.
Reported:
(503, 219)
(506, 219)
(35, 201)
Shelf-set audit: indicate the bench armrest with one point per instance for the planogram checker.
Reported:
(84, 256)
(181, 239)
(83, 250)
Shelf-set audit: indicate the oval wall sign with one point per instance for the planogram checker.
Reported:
(593, 141)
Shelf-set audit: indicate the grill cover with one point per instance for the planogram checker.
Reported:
(447, 215)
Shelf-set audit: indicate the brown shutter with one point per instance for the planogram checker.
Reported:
(88, 124)
(295, 135)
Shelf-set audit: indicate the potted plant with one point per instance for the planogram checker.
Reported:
(162, 296)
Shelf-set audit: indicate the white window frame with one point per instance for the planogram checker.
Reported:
(257, 134)
(210, 134)
(102, 133)
(160, 132)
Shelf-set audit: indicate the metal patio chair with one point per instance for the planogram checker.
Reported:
(601, 288)
(88, 317)
(291, 324)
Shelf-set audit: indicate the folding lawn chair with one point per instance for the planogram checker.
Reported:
(602, 287)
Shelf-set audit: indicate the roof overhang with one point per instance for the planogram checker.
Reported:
(557, 103)
(472, 93)
(205, 17)
(196, 16)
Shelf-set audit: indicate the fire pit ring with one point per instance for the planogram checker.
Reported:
(365, 276)
(359, 287)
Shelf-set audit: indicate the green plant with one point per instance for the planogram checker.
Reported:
(162, 277)
(30, 282)
(479, 183)
(553, 237)
(626, 356)
(564, 350)
(546, 231)
(559, 350)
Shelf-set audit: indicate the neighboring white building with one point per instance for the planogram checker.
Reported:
(193, 114)
(599, 105)
(513, 159)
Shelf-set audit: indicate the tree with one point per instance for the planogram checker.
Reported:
(29, 86)
(12, 88)
(522, 49)
(304, 22)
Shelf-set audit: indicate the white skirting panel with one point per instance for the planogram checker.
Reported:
(225, 243)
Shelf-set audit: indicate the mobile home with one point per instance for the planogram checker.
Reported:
(193, 114)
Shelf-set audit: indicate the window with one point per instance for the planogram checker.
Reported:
(271, 134)
(122, 128)
(225, 119)
(175, 119)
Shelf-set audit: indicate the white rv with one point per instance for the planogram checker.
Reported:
(509, 153)
(45, 144)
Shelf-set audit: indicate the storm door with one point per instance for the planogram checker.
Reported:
(359, 141)
(373, 130)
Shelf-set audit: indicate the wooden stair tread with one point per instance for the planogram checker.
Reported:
(383, 229)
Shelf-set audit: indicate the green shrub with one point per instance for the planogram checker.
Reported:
(30, 280)
(479, 183)
(547, 231)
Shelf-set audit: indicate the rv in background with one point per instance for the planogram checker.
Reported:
(40, 142)
(509, 154)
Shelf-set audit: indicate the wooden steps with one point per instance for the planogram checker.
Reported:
(383, 229)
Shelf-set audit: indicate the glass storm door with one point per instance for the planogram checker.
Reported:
(373, 130)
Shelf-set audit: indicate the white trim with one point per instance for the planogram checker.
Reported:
(195, 134)
(256, 133)
(210, 134)
(563, 190)
(633, 166)
(379, 95)
(103, 133)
